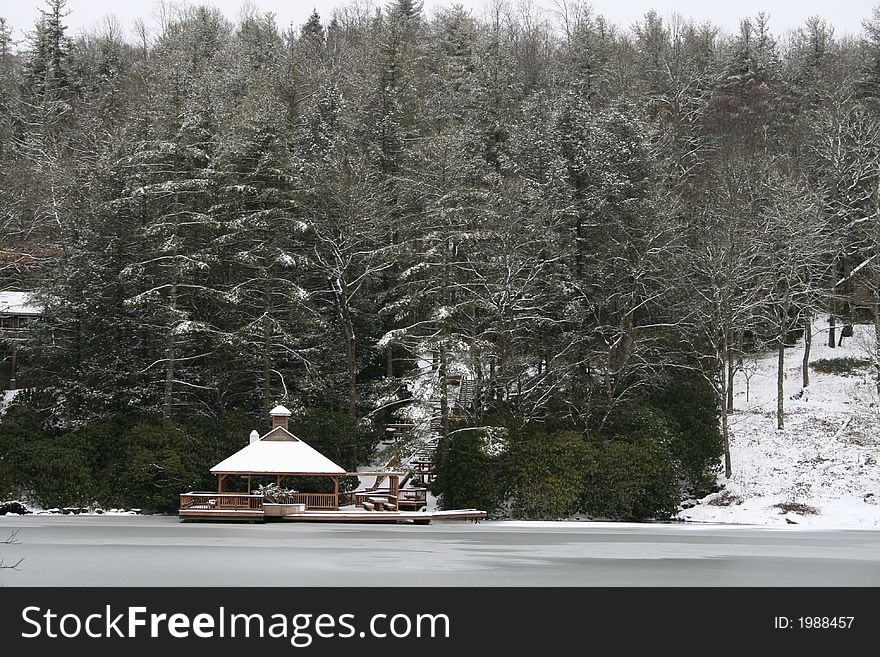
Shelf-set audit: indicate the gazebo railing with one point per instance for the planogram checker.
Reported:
(220, 502)
(313, 501)
(245, 502)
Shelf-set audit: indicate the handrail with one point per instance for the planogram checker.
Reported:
(231, 494)
(315, 500)
(221, 502)
(244, 501)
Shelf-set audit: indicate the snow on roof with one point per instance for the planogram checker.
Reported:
(278, 452)
(280, 410)
(18, 303)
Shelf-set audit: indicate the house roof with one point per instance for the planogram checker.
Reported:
(278, 452)
(18, 303)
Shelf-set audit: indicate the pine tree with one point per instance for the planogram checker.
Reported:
(312, 29)
(47, 66)
(170, 189)
(93, 340)
(350, 256)
(261, 250)
(870, 65)
(7, 90)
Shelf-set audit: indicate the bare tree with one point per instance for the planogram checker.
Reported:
(795, 265)
(721, 276)
(11, 540)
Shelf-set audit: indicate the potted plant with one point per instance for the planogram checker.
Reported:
(278, 501)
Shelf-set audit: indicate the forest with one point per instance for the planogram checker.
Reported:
(590, 223)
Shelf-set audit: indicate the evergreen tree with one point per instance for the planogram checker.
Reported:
(312, 29)
(47, 67)
(259, 254)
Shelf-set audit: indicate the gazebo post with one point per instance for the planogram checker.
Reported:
(220, 479)
(394, 490)
(278, 479)
(249, 484)
(336, 492)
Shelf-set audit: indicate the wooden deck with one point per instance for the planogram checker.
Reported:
(243, 507)
(220, 514)
(354, 515)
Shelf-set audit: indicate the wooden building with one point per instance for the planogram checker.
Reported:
(281, 455)
(17, 312)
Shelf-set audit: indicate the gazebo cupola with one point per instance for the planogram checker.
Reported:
(279, 416)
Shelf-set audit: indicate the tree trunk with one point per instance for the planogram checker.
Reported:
(267, 345)
(740, 349)
(351, 363)
(846, 307)
(170, 357)
(832, 341)
(780, 382)
(877, 345)
(808, 343)
(267, 368)
(725, 429)
(491, 386)
(478, 383)
(731, 373)
(474, 355)
(350, 340)
(444, 404)
(725, 433)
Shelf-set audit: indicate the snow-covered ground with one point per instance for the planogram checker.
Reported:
(827, 456)
(6, 397)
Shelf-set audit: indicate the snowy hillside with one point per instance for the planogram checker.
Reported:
(827, 456)
(6, 397)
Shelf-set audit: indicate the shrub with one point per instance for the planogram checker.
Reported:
(55, 475)
(549, 474)
(468, 477)
(840, 366)
(690, 409)
(631, 481)
(157, 466)
(637, 421)
(796, 507)
(51, 471)
(19, 426)
(725, 498)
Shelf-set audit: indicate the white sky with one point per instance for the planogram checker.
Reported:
(845, 15)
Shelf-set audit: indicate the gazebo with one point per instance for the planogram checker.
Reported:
(281, 454)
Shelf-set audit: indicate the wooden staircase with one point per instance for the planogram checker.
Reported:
(466, 394)
(461, 392)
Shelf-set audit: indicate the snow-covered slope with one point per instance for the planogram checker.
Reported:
(6, 397)
(827, 456)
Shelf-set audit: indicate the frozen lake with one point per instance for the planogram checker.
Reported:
(161, 551)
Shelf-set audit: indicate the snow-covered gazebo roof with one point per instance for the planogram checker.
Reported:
(278, 452)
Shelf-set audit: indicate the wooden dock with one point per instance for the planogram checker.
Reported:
(220, 514)
(349, 515)
(417, 517)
